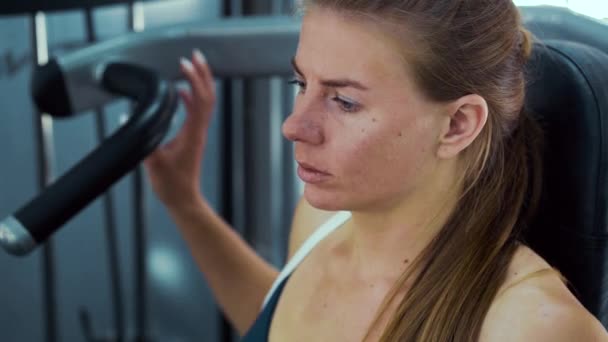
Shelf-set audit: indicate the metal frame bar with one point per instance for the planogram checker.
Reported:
(43, 128)
(12, 7)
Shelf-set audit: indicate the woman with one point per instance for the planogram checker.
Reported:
(411, 139)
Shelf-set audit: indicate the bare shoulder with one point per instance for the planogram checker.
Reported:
(535, 305)
(306, 220)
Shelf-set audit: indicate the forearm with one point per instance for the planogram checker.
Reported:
(238, 277)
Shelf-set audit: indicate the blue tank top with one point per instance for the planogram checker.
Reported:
(261, 327)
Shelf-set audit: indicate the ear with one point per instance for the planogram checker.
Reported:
(466, 118)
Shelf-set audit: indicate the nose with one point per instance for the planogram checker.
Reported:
(301, 126)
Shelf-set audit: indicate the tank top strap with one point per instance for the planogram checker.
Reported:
(325, 229)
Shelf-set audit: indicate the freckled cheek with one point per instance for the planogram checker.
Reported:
(361, 158)
(373, 149)
(382, 164)
(406, 152)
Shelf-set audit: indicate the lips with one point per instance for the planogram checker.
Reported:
(312, 175)
(311, 168)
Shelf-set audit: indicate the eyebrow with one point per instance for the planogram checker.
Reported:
(339, 83)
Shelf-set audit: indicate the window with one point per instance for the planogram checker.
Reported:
(593, 8)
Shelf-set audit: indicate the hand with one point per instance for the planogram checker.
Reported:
(174, 169)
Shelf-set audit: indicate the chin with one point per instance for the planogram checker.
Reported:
(325, 199)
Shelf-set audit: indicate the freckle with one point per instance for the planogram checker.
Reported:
(363, 130)
(406, 261)
(400, 134)
(324, 305)
(374, 119)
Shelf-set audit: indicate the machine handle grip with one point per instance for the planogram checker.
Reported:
(156, 102)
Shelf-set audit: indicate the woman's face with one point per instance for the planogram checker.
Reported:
(358, 117)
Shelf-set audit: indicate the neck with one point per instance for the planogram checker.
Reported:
(384, 241)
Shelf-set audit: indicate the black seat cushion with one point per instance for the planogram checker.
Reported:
(568, 95)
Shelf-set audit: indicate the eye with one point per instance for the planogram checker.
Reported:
(300, 84)
(346, 105)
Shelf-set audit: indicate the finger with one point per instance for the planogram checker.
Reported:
(202, 67)
(191, 107)
(192, 112)
(193, 124)
(193, 131)
(187, 99)
(193, 78)
(194, 106)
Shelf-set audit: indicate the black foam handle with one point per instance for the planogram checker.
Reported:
(156, 103)
(49, 90)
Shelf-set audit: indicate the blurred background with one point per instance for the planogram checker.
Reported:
(65, 292)
(593, 8)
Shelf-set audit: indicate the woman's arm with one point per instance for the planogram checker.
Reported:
(238, 277)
